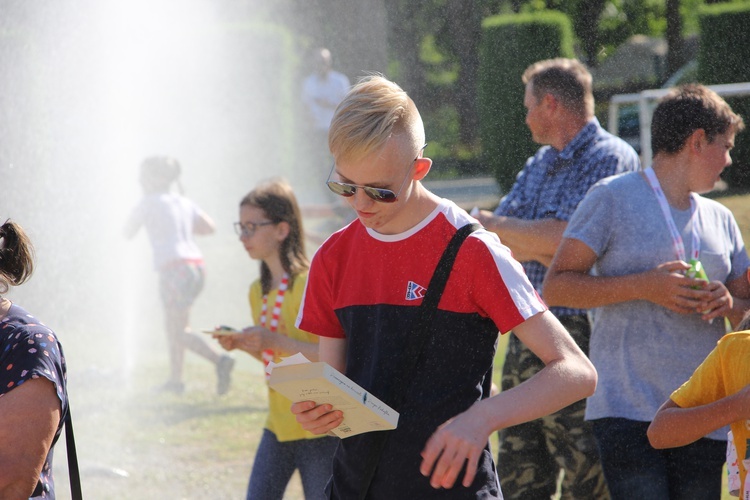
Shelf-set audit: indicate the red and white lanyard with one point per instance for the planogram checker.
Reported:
(677, 243)
(267, 354)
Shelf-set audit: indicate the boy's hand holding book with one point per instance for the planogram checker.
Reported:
(325, 400)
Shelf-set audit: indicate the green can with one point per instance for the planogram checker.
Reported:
(696, 271)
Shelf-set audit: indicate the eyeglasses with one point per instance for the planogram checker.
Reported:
(248, 230)
(381, 195)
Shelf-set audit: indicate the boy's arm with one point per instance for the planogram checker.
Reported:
(321, 419)
(737, 301)
(568, 283)
(567, 377)
(527, 239)
(333, 352)
(676, 426)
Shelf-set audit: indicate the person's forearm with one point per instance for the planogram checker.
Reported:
(255, 354)
(520, 256)
(333, 352)
(575, 289)
(13, 487)
(675, 426)
(739, 308)
(530, 239)
(559, 384)
(287, 346)
(204, 225)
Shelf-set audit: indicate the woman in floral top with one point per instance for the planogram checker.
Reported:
(32, 410)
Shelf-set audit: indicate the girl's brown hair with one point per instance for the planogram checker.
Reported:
(276, 198)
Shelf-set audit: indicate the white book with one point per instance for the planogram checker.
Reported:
(323, 384)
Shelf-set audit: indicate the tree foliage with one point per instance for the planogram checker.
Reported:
(510, 43)
(724, 57)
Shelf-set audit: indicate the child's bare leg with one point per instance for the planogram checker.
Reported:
(176, 323)
(199, 345)
(187, 339)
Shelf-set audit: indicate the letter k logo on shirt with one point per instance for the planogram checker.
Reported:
(414, 291)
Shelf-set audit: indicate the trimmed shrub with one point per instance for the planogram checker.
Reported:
(510, 43)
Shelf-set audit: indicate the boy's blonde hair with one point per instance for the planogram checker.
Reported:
(373, 111)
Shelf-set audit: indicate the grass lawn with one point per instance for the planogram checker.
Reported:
(134, 443)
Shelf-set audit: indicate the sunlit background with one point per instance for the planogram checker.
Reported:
(87, 90)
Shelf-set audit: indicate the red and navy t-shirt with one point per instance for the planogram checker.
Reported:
(366, 287)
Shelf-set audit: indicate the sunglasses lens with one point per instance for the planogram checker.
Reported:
(381, 195)
(341, 189)
(348, 190)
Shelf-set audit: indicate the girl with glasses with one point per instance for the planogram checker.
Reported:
(270, 229)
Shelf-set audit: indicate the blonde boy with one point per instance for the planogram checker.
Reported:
(365, 285)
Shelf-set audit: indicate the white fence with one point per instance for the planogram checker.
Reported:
(647, 101)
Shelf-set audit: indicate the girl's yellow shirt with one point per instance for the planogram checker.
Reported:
(280, 419)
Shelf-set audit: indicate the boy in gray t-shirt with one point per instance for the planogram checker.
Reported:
(653, 324)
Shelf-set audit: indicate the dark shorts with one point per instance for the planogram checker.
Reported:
(180, 282)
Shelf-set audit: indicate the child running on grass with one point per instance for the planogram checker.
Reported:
(270, 229)
(171, 220)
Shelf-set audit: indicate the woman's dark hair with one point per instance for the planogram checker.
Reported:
(16, 256)
(686, 109)
(276, 198)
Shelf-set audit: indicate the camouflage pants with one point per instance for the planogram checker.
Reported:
(533, 454)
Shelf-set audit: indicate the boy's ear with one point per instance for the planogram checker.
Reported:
(422, 167)
(697, 141)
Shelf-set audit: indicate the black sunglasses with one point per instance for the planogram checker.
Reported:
(381, 195)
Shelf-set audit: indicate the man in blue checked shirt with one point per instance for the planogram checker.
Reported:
(576, 152)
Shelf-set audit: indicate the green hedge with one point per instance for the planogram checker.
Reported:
(724, 57)
(510, 43)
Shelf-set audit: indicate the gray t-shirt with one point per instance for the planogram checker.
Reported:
(641, 350)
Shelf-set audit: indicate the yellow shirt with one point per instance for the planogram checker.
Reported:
(725, 371)
(280, 419)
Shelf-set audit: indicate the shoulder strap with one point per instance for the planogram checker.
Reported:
(435, 289)
(419, 337)
(70, 444)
